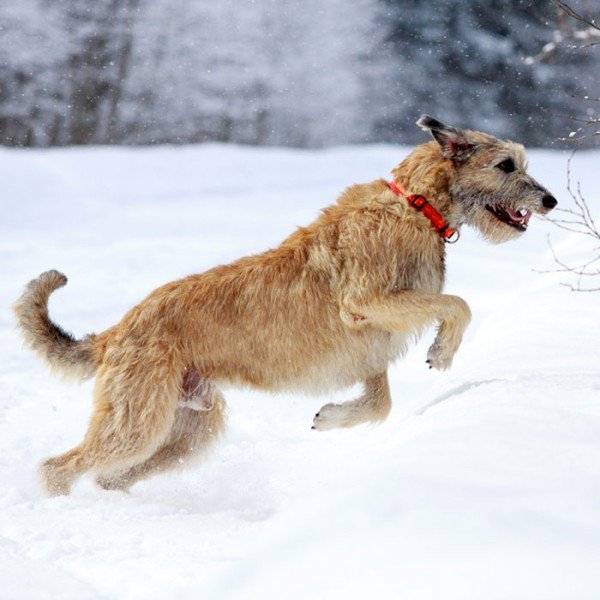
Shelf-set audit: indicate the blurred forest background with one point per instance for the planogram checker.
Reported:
(284, 72)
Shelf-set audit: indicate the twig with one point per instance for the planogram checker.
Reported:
(582, 223)
(574, 14)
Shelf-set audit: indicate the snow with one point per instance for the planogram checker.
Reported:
(482, 484)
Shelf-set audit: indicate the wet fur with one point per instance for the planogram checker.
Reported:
(332, 306)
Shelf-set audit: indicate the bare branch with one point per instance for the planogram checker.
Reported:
(586, 98)
(580, 289)
(578, 119)
(571, 26)
(580, 138)
(585, 124)
(579, 221)
(574, 14)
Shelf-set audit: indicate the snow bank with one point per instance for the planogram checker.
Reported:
(482, 484)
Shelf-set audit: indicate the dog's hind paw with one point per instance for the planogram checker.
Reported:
(113, 483)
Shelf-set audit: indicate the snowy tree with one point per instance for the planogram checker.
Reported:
(96, 67)
(264, 72)
(33, 52)
(467, 61)
(62, 65)
(322, 56)
(306, 73)
(196, 73)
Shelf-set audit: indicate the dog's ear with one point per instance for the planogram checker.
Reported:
(453, 142)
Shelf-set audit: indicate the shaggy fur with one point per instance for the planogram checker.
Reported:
(333, 305)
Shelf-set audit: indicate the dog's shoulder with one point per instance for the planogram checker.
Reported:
(373, 202)
(362, 194)
(373, 195)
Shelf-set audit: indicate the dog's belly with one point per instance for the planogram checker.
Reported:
(362, 357)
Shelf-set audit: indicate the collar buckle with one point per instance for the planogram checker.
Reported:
(418, 201)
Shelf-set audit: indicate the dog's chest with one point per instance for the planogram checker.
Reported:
(422, 270)
(358, 357)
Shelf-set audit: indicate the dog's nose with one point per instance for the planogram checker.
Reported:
(549, 201)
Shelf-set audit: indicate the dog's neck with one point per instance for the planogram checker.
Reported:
(425, 171)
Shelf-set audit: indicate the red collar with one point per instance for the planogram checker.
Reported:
(420, 203)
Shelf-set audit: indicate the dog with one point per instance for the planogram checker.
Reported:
(330, 307)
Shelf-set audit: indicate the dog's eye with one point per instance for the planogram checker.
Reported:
(508, 166)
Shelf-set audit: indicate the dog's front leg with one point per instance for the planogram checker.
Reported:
(409, 311)
(372, 406)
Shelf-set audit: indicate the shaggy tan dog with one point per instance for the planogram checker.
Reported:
(333, 305)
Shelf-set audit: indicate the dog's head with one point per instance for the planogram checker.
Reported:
(489, 185)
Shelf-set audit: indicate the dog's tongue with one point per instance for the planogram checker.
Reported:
(516, 216)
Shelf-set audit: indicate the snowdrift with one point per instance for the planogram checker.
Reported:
(482, 484)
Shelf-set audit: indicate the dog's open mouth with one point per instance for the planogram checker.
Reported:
(519, 219)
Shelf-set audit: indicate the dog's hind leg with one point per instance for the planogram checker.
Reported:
(134, 414)
(372, 406)
(199, 422)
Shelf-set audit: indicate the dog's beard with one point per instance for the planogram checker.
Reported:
(491, 228)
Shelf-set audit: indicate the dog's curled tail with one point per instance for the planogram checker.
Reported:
(70, 357)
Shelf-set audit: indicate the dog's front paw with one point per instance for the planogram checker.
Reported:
(331, 416)
(439, 356)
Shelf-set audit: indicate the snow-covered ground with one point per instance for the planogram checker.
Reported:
(484, 483)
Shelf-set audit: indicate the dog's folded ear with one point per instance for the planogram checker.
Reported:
(427, 123)
(453, 142)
